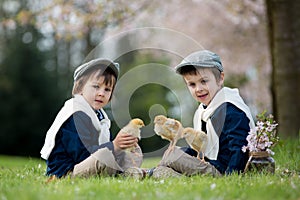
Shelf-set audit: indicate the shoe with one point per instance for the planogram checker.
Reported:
(161, 172)
(149, 172)
(135, 172)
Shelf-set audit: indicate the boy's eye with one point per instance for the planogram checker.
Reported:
(204, 81)
(191, 84)
(96, 86)
(107, 89)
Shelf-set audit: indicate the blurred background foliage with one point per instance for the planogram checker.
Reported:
(42, 42)
(29, 94)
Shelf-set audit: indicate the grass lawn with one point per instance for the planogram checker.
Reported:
(23, 178)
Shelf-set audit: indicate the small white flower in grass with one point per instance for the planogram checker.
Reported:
(39, 166)
(213, 186)
(270, 183)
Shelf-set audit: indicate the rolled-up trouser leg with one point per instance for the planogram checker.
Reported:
(102, 162)
(188, 165)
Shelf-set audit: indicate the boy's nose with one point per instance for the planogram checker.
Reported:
(199, 87)
(100, 93)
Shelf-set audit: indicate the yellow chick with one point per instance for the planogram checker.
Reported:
(168, 129)
(175, 128)
(159, 121)
(197, 140)
(134, 128)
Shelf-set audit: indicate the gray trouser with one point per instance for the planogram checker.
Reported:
(186, 164)
(104, 162)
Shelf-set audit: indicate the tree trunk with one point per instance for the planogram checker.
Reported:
(284, 36)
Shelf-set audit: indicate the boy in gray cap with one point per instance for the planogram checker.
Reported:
(222, 115)
(79, 142)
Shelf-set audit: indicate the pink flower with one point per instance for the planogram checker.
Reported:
(263, 136)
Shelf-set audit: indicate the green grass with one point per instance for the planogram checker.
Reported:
(23, 178)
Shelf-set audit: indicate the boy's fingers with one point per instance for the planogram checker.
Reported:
(129, 142)
(125, 140)
(127, 136)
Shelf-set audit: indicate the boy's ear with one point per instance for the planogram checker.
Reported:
(222, 76)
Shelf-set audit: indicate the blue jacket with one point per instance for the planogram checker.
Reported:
(76, 140)
(232, 126)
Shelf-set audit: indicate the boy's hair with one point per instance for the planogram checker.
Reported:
(192, 70)
(110, 78)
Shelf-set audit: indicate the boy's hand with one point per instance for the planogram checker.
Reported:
(124, 141)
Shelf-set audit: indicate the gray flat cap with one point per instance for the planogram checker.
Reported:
(101, 62)
(202, 58)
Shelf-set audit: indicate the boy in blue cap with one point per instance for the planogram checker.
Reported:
(222, 115)
(79, 142)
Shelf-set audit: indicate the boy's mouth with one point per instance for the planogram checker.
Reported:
(202, 96)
